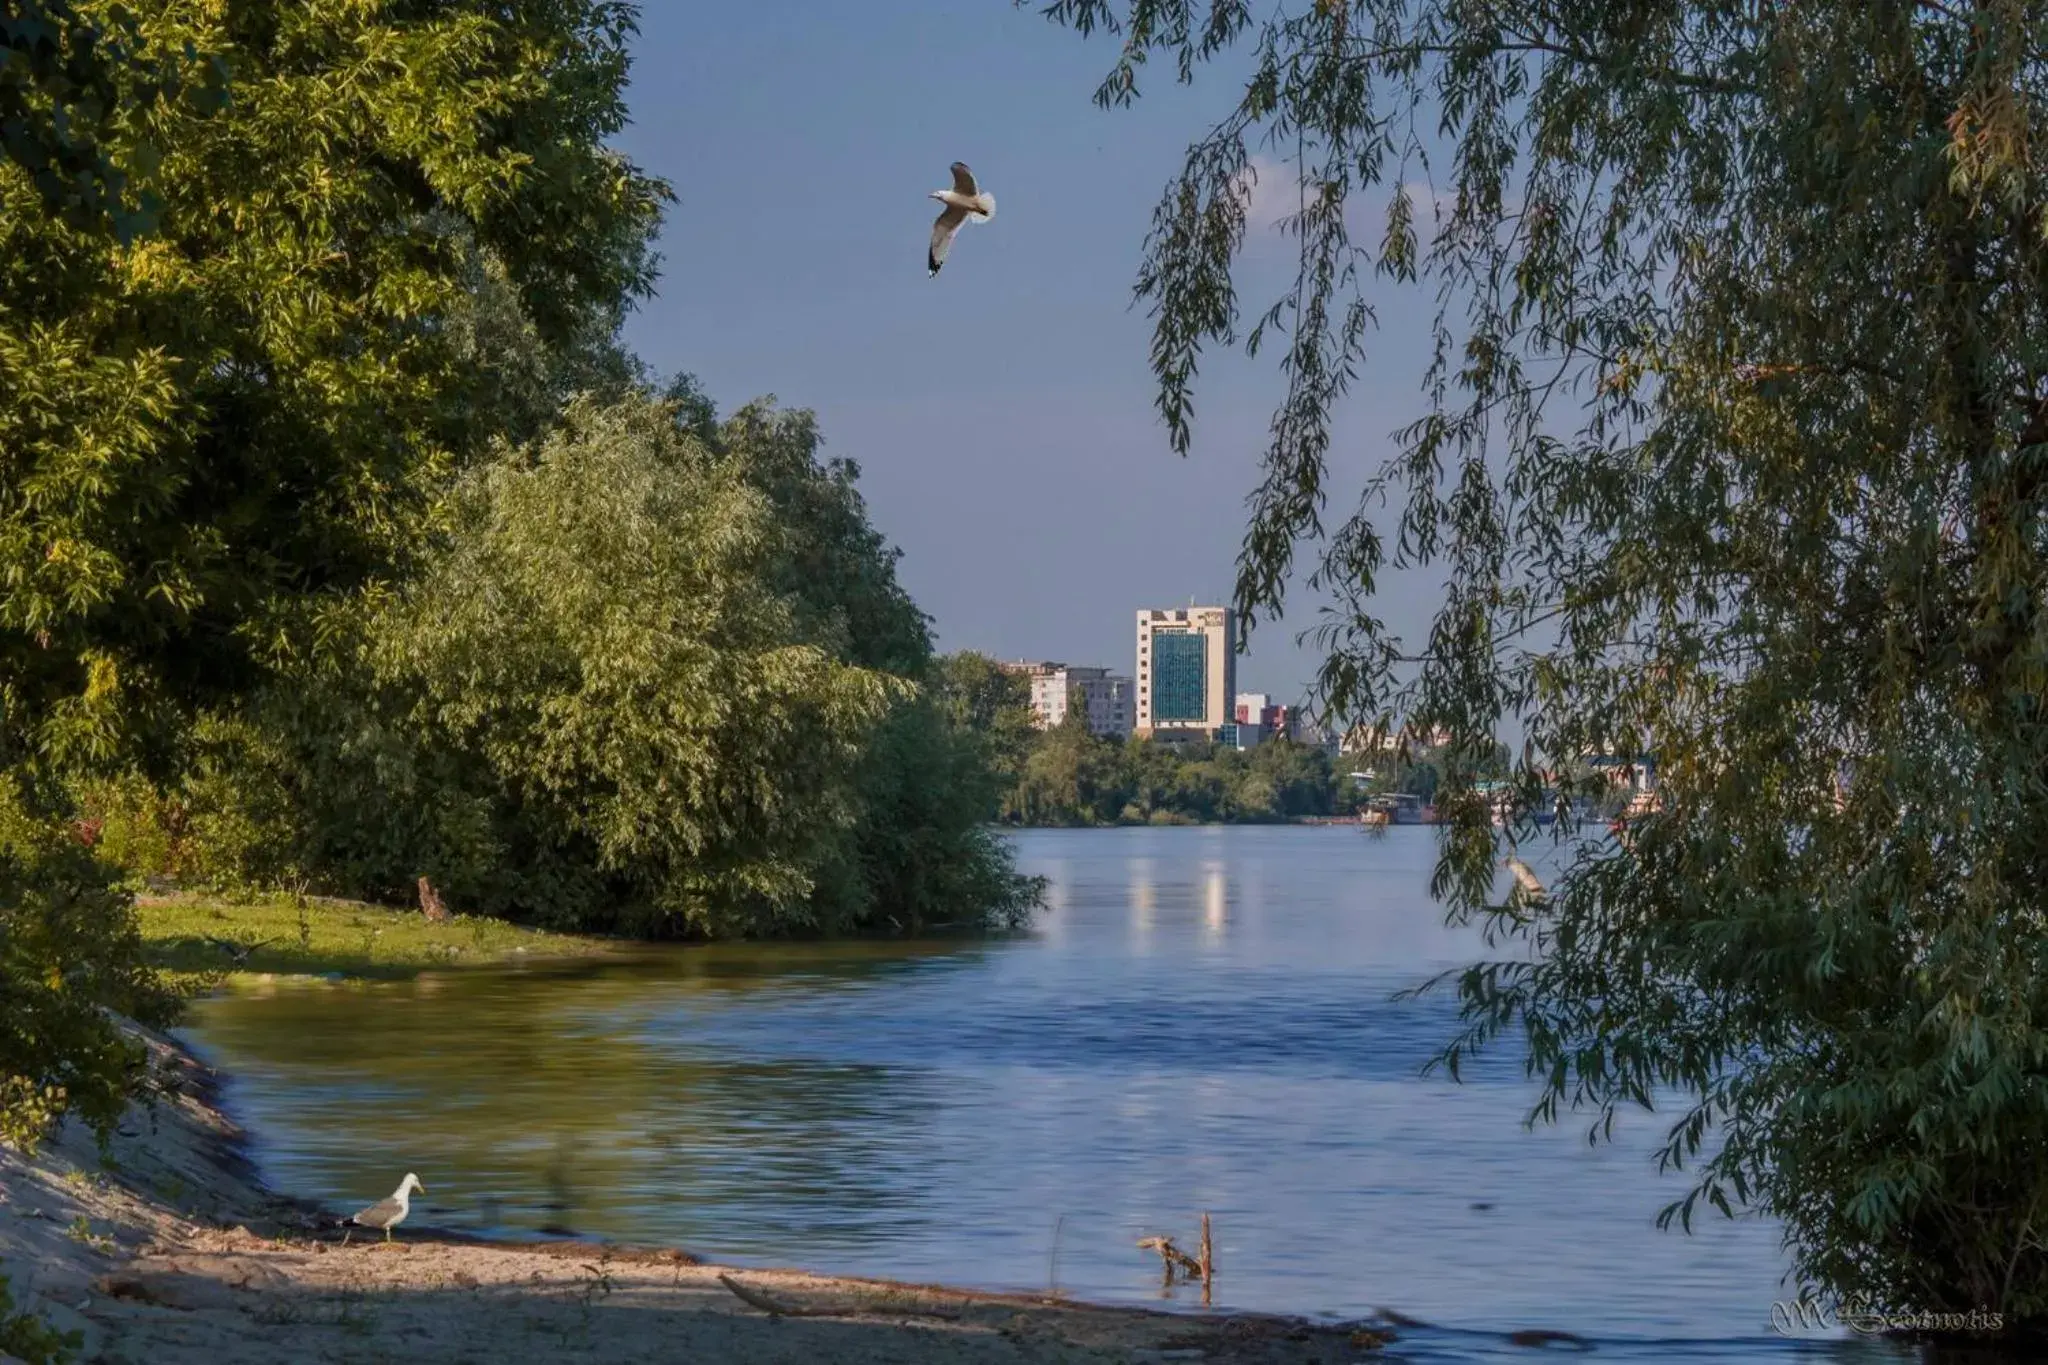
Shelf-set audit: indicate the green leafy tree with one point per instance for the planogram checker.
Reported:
(917, 853)
(215, 438)
(1071, 777)
(1733, 450)
(925, 857)
(624, 692)
(1296, 776)
(1423, 779)
(982, 698)
(208, 433)
(604, 632)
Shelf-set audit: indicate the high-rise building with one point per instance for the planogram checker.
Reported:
(1187, 671)
(1104, 696)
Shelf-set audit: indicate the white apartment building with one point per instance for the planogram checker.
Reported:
(1106, 696)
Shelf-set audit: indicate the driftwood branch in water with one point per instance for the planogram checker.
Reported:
(1198, 1268)
(1172, 1258)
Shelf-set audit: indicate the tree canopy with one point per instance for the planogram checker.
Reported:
(649, 673)
(206, 433)
(1733, 450)
(75, 87)
(676, 669)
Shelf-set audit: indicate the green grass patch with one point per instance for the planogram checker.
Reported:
(203, 941)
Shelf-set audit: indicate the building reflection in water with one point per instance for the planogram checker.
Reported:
(1144, 899)
(1215, 903)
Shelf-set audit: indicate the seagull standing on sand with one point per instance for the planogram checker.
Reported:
(389, 1213)
(964, 203)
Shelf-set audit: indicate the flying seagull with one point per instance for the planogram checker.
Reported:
(238, 951)
(964, 203)
(388, 1213)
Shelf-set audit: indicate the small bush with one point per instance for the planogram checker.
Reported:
(29, 1339)
(70, 960)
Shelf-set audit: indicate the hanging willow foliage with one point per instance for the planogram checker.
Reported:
(1733, 451)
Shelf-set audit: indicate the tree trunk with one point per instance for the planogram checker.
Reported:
(430, 901)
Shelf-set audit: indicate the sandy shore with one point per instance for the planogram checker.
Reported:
(176, 1253)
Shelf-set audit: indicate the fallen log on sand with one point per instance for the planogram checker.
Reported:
(777, 1308)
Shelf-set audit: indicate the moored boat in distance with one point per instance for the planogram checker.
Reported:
(1500, 800)
(1399, 808)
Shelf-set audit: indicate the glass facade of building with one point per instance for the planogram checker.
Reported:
(1180, 667)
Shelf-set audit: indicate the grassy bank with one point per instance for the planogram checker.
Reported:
(202, 940)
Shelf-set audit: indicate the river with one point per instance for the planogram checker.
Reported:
(1202, 1019)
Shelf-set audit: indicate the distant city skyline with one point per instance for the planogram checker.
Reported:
(1127, 664)
(1002, 414)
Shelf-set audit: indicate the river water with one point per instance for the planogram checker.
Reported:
(1202, 1019)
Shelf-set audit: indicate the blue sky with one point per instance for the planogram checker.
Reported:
(1001, 414)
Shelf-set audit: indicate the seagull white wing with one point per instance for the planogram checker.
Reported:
(963, 180)
(942, 236)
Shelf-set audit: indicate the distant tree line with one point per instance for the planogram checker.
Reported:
(1066, 776)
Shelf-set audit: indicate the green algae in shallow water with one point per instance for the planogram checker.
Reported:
(202, 941)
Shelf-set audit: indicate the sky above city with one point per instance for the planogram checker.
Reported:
(1002, 414)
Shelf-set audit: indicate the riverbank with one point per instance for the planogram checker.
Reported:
(171, 1250)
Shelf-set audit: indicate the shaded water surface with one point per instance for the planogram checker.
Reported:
(1202, 1019)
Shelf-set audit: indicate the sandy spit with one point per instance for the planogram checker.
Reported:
(174, 1252)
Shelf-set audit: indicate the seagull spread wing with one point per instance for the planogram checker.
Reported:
(942, 234)
(963, 180)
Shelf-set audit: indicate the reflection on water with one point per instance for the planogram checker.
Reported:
(1202, 1021)
(1144, 904)
(1215, 894)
